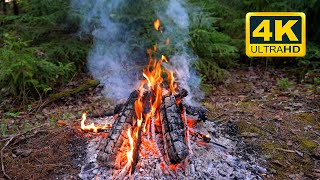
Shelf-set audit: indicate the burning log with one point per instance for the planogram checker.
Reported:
(136, 148)
(173, 130)
(111, 147)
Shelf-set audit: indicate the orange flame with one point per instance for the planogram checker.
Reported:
(163, 58)
(92, 127)
(155, 47)
(130, 152)
(171, 82)
(156, 24)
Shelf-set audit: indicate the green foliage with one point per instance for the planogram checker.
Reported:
(39, 51)
(216, 50)
(284, 84)
(12, 114)
(316, 85)
(25, 74)
(3, 130)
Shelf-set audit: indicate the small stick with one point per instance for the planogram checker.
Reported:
(2, 164)
(205, 139)
(285, 150)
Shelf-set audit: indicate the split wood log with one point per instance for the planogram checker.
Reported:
(112, 146)
(173, 130)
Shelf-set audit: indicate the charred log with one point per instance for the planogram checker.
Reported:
(173, 130)
(201, 112)
(106, 113)
(136, 149)
(182, 94)
(111, 147)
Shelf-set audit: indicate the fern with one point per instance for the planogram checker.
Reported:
(26, 75)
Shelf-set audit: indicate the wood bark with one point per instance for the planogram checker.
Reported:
(112, 146)
(173, 130)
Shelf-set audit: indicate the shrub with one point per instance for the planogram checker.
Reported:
(284, 84)
(24, 73)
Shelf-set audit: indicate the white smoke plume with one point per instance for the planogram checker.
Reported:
(109, 60)
(176, 19)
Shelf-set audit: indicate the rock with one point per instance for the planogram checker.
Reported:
(22, 152)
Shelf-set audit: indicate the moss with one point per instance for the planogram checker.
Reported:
(309, 144)
(245, 127)
(306, 143)
(247, 105)
(305, 117)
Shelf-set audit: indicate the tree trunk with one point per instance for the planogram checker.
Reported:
(4, 8)
(15, 7)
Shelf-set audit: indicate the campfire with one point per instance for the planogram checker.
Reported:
(156, 109)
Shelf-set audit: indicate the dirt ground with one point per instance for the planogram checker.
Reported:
(282, 126)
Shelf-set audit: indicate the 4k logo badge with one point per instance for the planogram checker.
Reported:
(275, 34)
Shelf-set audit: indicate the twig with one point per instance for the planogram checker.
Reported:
(55, 165)
(219, 116)
(285, 150)
(220, 145)
(23, 133)
(2, 164)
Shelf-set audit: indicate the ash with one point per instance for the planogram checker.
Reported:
(205, 161)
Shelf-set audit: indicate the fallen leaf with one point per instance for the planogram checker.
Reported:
(62, 123)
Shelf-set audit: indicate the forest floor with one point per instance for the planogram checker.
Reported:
(282, 126)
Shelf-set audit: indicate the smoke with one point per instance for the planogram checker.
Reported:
(176, 20)
(110, 60)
